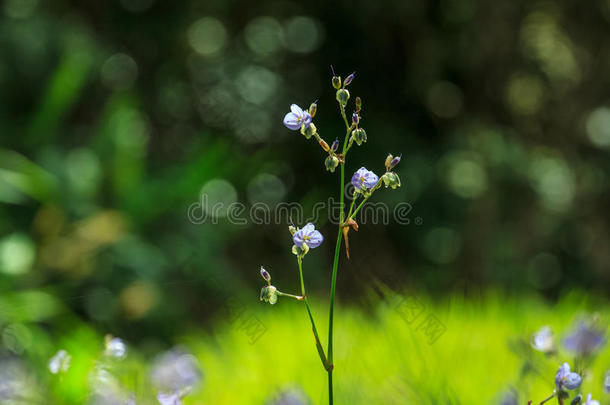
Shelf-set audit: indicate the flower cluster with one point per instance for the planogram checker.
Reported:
(586, 338)
(365, 183)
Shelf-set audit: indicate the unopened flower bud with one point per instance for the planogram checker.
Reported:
(391, 179)
(355, 118)
(324, 145)
(336, 81)
(265, 274)
(395, 161)
(388, 160)
(358, 104)
(269, 294)
(359, 136)
(349, 79)
(313, 108)
(331, 163)
(309, 131)
(342, 96)
(300, 250)
(335, 146)
(292, 229)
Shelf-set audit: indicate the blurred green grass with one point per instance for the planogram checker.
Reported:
(380, 357)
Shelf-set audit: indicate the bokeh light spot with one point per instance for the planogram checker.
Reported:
(257, 84)
(17, 254)
(441, 245)
(303, 34)
(207, 36)
(266, 188)
(217, 195)
(119, 71)
(466, 176)
(524, 94)
(264, 35)
(598, 127)
(444, 99)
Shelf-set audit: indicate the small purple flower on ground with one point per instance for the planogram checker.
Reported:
(585, 339)
(590, 401)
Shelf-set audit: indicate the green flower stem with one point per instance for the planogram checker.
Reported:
(351, 208)
(333, 284)
(313, 324)
(358, 208)
(296, 297)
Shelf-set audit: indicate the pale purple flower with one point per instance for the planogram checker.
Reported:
(566, 379)
(175, 370)
(585, 339)
(297, 118)
(171, 398)
(309, 236)
(364, 178)
(509, 398)
(543, 340)
(607, 382)
(289, 397)
(590, 401)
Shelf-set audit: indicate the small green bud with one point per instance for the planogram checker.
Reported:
(388, 160)
(309, 131)
(391, 179)
(313, 108)
(300, 250)
(269, 294)
(292, 229)
(336, 81)
(331, 163)
(342, 96)
(359, 136)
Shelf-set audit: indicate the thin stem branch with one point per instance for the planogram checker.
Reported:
(297, 297)
(351, 207)
(547, 399)
(313, 324)
(358, 208)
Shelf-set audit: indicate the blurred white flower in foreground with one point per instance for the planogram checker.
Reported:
(60, 362)
(115, 348)
(175, 372)
(543, 340)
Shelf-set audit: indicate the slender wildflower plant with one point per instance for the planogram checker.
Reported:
(365, 183)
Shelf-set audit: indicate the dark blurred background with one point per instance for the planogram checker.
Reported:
(116, 116)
